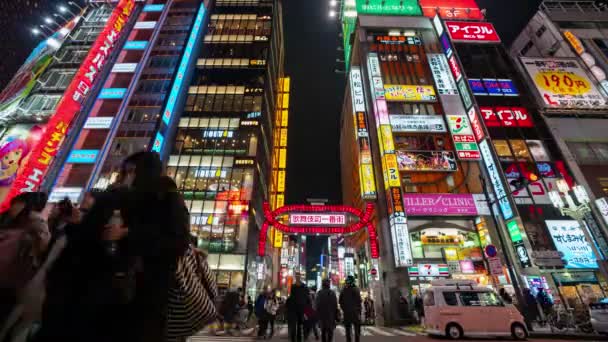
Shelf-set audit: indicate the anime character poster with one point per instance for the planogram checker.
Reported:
(15, 147)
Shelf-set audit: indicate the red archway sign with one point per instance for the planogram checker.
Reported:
(317, 226)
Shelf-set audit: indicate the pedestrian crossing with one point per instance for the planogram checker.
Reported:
(281, 332)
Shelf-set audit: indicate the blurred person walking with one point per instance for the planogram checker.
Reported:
(327, 311)
(350, 302)
(296, 303)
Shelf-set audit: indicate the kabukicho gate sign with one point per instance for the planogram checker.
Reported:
(319, 219)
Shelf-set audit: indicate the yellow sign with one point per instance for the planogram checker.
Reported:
(283, 137)
(278, 238)
(393, 170)
(368, 184)
(282, 158)
(574, 42)
(451, 254)
(280, 200)
(562, 82)
(281, 181)
(284, 118)
(399, 92)
(387, 139)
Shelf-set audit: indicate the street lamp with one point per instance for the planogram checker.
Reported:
(49, 21)
(577, 212)
(75, 4)
(48, 28)
(61, 17)
(64, 9)
(37, 32)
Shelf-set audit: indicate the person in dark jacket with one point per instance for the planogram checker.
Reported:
(296, 303)
(260, 313)
(350, 302)
(327, 311)
(100, 295)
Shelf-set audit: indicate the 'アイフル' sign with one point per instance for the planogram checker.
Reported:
(466, 31)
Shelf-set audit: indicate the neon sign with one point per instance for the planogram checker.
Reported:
(273, 218)
(71, 103)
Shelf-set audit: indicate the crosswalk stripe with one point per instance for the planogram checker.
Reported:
(380, 331)
(365, 332)
(401, 332)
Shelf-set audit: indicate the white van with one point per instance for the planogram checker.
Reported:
(456, 308)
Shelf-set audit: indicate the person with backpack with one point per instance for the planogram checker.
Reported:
(350, 302)
(272, 308)
(24, 239)
(260, 313)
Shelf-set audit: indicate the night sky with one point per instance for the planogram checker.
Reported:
(311, 39)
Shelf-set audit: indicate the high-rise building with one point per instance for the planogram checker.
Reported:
(561, 54)
(439, 133)
(199, 82)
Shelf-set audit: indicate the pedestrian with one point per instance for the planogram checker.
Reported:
(296, 303)
(545, 302)
(310, 318)
(328, 314)
(419, 307)
(24, 240)
(229, 310)
(249, 308)
(272, 308)
(350, 302)
(113, 279)
(260, 313)
(531, 312)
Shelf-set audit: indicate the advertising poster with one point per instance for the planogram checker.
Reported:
(464, 140)
(506, 117)
(563, 83)
(570, 240)
(414, 93)
(440, 161)
(441, 73)
(15, 147)
(418, 123)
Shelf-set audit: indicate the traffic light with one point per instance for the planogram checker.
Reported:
(523, 181)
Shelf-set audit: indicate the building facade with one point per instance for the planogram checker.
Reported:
(199, 82)
(440, 131)
(562, 55)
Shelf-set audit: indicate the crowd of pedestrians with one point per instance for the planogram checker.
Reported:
(116, 268)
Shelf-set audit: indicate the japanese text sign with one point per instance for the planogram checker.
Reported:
(466, 31)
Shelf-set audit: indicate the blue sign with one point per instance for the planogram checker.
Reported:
(507, 87)
(112, 93)
(158, 142)
(492, 86)
(445, 43)
(83, 156)
(477, 87)
(154, 8)
(497, 184)
(135, 45)
(183, 65)
(491, 251)
(570, 239)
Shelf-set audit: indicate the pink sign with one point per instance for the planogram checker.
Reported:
(439, 204)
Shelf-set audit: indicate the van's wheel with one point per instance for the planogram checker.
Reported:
(453, 331)
(519, 332)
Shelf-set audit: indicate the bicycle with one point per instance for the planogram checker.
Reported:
(567, 320)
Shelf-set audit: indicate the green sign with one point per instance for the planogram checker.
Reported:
(514, 231)
(466, 146)
(388, 7)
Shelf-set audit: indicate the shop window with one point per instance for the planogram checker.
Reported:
(538, 151)
(520, 149)
(450, 298)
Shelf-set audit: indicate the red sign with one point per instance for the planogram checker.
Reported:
(451, 9)
(274, 218)
(473, 155)
(506, 117)
(467, 31)
(455, 68)
(43, 153)
(475, 124)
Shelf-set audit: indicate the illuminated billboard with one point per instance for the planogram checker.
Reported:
(463, 137)
(441, 73)
(451, 9)
(15, 147)
(438, 161)
(418, 123)
(478, 32)
(388, 7)
(563, 83)
(45, 151)
(571, 241)
(414, 93)
(506, 117)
